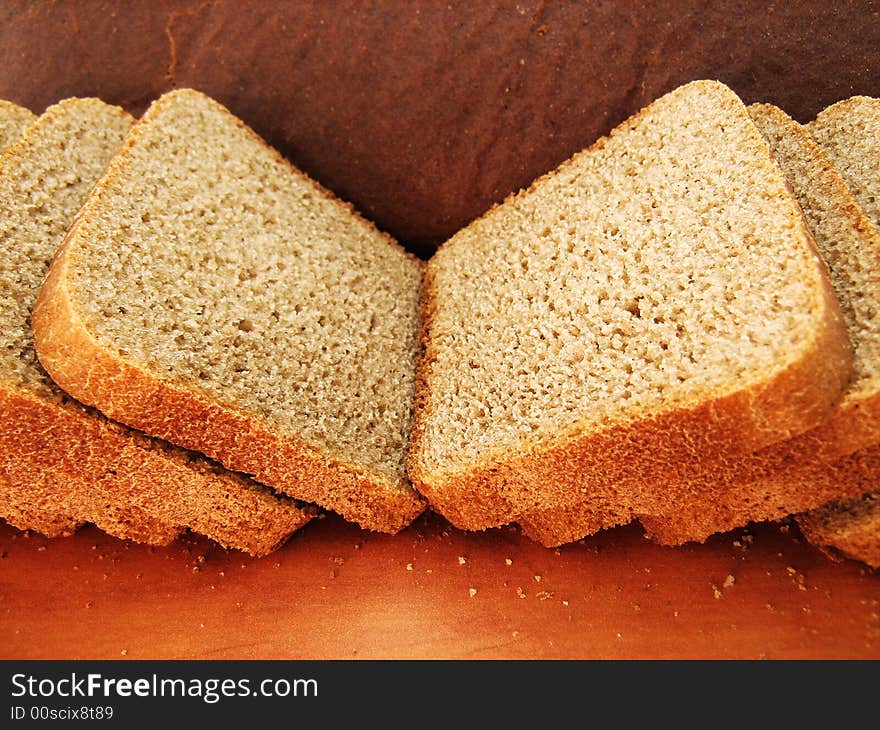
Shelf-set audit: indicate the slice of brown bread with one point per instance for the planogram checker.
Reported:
(654, 302)
(214, 296)
(57, 457)
(789, 477)
(849, 134)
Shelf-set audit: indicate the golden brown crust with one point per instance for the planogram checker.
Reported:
(789, 477)
(625, 469)
(61, 454)
(61, 463)
(131, 394)
(609, 466)
(850, 527)
(16, 510)
(51, 465)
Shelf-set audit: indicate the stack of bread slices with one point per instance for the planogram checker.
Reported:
(678, 325)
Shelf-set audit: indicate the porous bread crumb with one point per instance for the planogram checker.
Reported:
(849, 243)
(220, 269)
(621, 284)
(793, 475)
(849, 134)
(44, 184)
(614, 329)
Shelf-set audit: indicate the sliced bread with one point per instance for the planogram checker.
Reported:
(56, 456)
(655, 302)
(790, 477)
(212, 295)
(849, 134)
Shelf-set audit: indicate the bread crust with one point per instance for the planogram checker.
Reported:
(849, 527)
(129, 393)
(63, 464)
(497, 493)
(50, 460)
(61, 453)
(608, 466)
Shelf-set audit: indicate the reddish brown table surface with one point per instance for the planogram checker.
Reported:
(335, 591)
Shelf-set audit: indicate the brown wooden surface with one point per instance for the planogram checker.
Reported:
(337, 592)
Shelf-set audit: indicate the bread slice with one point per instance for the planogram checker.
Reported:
(214, 296)
(849, 134)
(791, 476)
(61, 463)
(654, 302)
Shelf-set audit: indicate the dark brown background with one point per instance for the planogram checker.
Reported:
(423, 114)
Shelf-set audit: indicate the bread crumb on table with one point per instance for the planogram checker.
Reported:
(472, 592)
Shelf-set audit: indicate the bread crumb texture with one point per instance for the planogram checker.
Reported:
(665, 268)
(41, 192)
(796, 474)
(849, 134)
(218, 268)
(847, 239)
